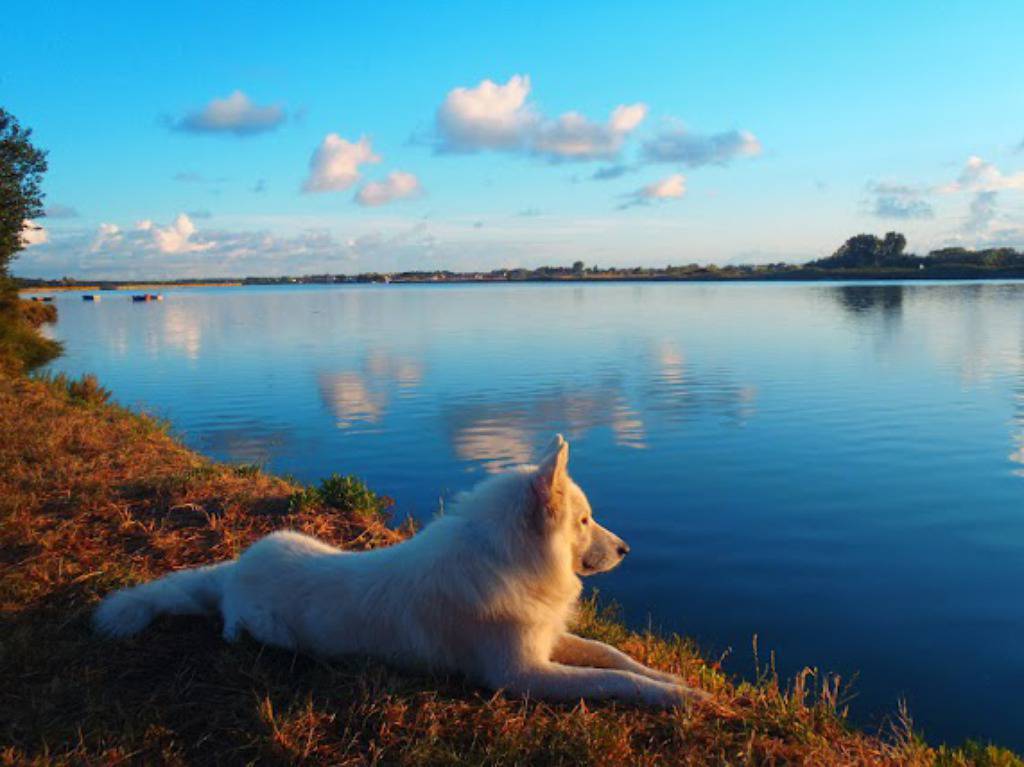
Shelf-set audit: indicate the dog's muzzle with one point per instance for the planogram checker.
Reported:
(604, 554)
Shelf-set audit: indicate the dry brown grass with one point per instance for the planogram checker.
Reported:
(93, 497)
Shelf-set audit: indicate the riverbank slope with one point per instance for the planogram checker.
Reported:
(94, 497)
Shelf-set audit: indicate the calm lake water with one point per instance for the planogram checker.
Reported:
(838, 469)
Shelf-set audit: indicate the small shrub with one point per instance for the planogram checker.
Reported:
(976, 755)
(35, 313)
(350, 494)
(306, 499)
(87, 391)
(246, 469)
(83, 391)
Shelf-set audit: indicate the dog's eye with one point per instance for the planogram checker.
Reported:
(585, 521)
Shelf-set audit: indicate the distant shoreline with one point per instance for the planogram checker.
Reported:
(29, 287)
(861, 257)
(103, 285)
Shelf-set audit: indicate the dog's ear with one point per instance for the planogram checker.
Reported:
(551, 478)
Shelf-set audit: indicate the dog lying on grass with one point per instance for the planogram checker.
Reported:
(485, 590)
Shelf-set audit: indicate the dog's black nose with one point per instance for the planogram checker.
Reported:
(623, 549)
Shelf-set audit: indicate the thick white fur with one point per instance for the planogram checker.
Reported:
(486, 590)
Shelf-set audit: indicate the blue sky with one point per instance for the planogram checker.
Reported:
(222, 139)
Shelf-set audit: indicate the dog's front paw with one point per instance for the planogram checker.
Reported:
(673, 695)
(693, 695)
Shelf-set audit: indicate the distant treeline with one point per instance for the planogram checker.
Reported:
(864, 256)
(866, 251)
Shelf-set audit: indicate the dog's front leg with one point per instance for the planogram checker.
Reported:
(555, 681)
(577, 651)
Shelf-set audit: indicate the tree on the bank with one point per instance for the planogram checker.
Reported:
(22, 166)
(867, 250)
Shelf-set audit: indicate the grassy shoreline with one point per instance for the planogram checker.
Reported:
(22, 346)
(94, 497)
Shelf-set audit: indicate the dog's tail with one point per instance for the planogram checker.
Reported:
(185, 592)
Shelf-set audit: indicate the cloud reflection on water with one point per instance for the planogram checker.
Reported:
(252, 442)
(362, 396)
(497, 435)
(678, 392)
(351, 398)
(182, 330)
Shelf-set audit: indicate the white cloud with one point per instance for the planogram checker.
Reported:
(978, 175)
(671, 188)
(573, 137)
(334, 165)
(305, 247)
(33, 234)
(899, 201)
(397, 186)
(677, 145)
(501, 117)
(106, 236)
(489, 116)
(666, 189)
(627, 118)
(174, 238)
(236, 114)
(983, 225)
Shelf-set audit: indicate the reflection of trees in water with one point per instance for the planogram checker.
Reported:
(889, 301)
(972, 329)
(878, 300)
(362, 396)
(873, 306)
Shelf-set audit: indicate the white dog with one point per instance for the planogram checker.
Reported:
(486, 589)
